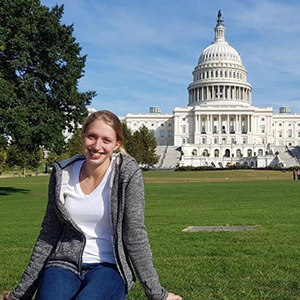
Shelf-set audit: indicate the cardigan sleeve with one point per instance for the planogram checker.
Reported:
(45, 242)
(136, 239)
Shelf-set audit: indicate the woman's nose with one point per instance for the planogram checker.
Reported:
(98, 144)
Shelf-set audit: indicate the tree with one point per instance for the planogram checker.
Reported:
(74, 144)
(53, 156)
(24, 159)
(128, 139)
(40, 66)
(3, 158)
(145, 147)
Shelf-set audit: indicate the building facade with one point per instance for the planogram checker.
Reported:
(220, 126)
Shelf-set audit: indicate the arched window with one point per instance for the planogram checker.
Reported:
(194, 152)
(290, 133)
(238, 153)
(260, 152)
(227, 153)
(217, 153)
(249, 152)
(205, 152)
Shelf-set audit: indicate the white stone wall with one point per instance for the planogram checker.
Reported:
(161, 126)
(286, 129)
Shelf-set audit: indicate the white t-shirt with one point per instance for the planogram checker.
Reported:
(92, 214)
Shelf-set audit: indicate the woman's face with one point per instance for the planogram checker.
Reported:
(99, 142)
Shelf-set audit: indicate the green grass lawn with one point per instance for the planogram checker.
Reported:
(259, 264)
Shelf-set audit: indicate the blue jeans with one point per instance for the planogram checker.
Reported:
(97, 282)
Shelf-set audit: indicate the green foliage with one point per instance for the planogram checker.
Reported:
(128, 139)
(3, 142)
(74, 144)
(141, 145)
(191, 168)
(53, 156)
(144, 147)
(23, 158)
(3, 158)
(40, 66)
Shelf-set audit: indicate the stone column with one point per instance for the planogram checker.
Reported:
(228, 124)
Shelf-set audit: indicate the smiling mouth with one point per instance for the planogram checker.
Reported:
(96, 154)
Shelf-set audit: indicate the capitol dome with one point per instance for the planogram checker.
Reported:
(220, 75)
(219, 49)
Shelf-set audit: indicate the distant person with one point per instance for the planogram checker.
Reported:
(294, 174)
(298, 174)
(93, 234)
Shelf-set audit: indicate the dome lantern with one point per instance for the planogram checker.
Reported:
(220, 29)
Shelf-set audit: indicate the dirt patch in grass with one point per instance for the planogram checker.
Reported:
(217, 228)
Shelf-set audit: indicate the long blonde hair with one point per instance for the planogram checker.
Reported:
(111, 120)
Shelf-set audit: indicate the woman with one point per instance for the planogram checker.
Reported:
(93, 231)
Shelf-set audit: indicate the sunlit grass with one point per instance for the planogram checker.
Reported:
(259, 264)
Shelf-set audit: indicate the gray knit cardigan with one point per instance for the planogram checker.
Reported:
(61, 242)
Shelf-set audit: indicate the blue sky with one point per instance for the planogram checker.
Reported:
(142, 53)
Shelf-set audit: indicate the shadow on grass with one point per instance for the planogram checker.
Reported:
(4, 191)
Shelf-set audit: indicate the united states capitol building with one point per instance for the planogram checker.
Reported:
(220, 126)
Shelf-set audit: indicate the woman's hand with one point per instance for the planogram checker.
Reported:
(172, 296)
(6, 296)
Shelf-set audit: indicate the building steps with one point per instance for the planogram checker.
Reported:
(287, 157)
(169, 157)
